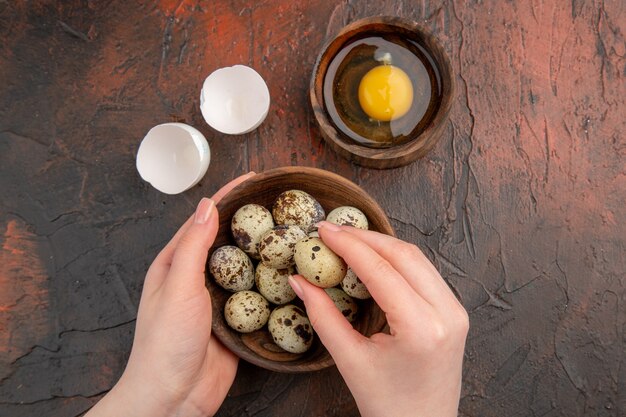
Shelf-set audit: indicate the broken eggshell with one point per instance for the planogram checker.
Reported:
(234, 100)
(173, 157)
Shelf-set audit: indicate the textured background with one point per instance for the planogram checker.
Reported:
(521, 205)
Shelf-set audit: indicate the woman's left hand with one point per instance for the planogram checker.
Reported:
(176, 367)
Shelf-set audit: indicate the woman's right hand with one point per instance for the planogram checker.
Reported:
(416, 369)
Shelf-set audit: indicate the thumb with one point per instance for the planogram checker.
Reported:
(335, 332)
(189, 260)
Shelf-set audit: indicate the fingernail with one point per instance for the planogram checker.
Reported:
(204, 211)
(296, 287)
(331, 227)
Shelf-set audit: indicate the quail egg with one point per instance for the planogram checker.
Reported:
(273, 283)
(246, 311)
(249, 223)
(295, 207)
(343, 302)
(291, 329)
(318, 264)
(232, 269)
(353, 286)
(348, 216)
(277, 245)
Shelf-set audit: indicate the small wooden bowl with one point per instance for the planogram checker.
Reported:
(332, 191)
(382, 158)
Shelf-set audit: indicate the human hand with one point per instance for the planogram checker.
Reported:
(415, 370)
(176, 367)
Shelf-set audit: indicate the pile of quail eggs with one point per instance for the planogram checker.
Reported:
(284, 242)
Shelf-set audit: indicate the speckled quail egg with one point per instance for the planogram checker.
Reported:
(246, 311)
(277, 245)
(298, 208)
(318, 264)
(343, 302)
(348, 216)
(314, 233)
(232, 269)
(291, 329)
(248, 224)
(353, 286)
(273, 283)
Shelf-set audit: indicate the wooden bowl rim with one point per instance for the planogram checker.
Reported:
(223, 334)
(396, 155)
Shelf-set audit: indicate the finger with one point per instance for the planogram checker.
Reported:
(186, 275)
(221, 193)
(164, 258)
(335, 332)
(390, 290)
(168, 250)
(411, 263)
(161, 264)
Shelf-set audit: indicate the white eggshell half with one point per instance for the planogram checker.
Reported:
(234, 100)
(173, 157)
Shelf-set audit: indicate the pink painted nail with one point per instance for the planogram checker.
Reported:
(204, 211)
(296, 287)
(331, 227)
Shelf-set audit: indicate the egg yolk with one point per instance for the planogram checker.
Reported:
(385, 93)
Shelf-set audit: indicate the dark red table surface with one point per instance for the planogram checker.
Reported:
(521, 205)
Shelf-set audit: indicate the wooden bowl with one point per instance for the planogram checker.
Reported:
(332, 191)
(399, 155)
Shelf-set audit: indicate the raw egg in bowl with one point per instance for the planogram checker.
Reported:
(381, 91)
